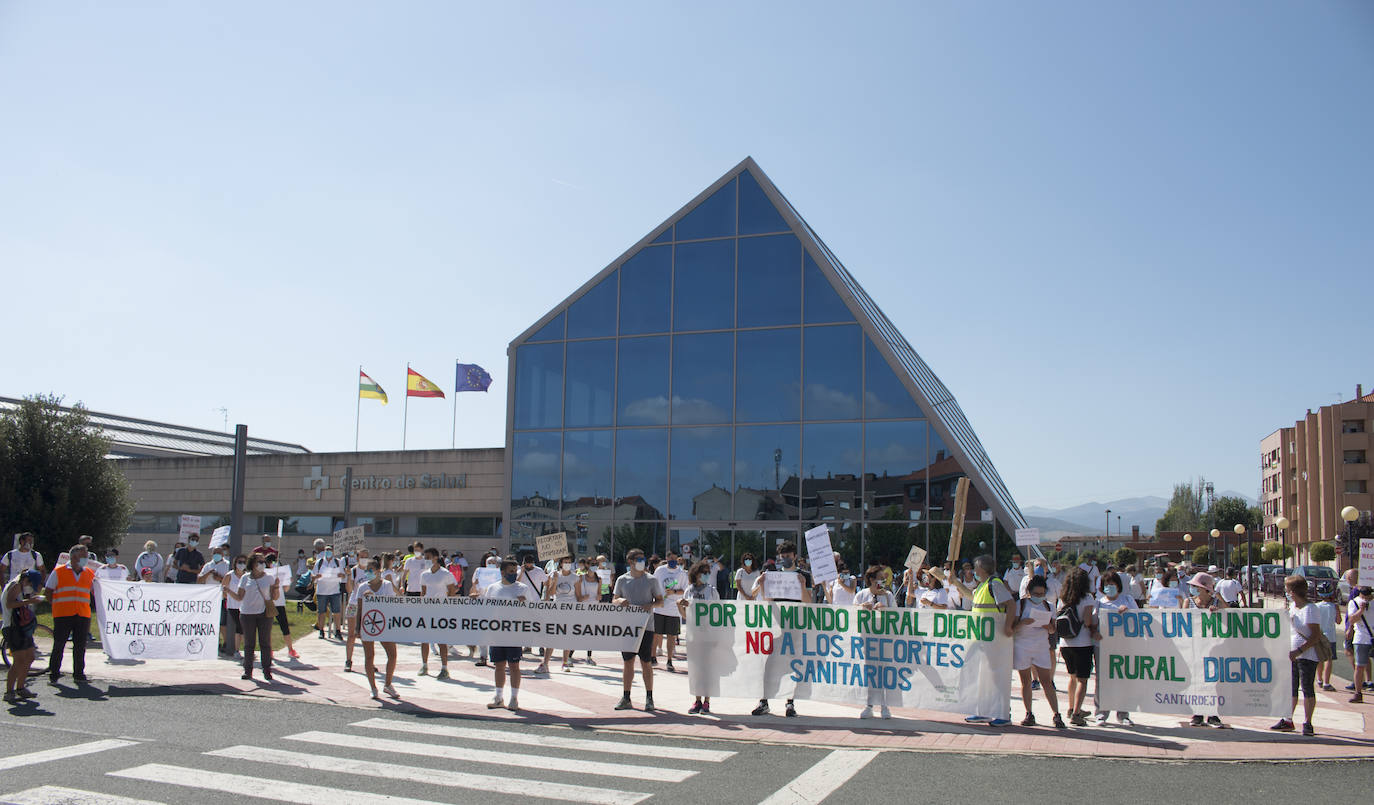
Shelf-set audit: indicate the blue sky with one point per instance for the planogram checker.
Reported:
(1131, 238)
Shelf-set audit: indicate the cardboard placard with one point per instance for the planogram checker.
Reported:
(219, 537)
(915, 558)
(348, 540)
(552, 546)
(821, 555)
(1027, 537)
(782, 585)
(190, 524)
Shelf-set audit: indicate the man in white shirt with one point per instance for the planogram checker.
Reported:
(507, 658)
(21, 558)
(413, 569)
(1229, 589)
(1094, 575)
(436, 582)
(1015, 574)
(112, 569)
(667, 617)
(329, 580)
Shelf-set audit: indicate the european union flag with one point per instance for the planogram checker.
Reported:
(472, 377)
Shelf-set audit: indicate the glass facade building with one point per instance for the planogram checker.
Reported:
(726, 384)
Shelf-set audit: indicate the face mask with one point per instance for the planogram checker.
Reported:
(787, 563)
(1173, 585)
(193, 543)
(267, 542)
(112, 560)
(601, 564)
(328, 554)
(1109, 590)
(1039, 599)
(748, 562)
(672, 563)
(492, 563)
(77, 564)
(369, 575)
(214, 557)
(1015, 565)
(1040, 571)
(510, 577)
(242, 565)
(567, 567)
(639, 564)
(1194, 590)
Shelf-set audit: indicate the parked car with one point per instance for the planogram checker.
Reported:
(1321, 580)
(1260, 570)
(1273, 577)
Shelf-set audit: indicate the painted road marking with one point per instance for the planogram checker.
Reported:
(57, 795)
(633, 748)
(547, 762)
(822, 779)
(63, 752)
(452, 779)
(279, 790)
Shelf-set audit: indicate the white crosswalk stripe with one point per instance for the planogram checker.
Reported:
(262, 787)
(477, 782)
(57, 795)
(633, 748)
(545, 762)
(821, 780)
(63, 753)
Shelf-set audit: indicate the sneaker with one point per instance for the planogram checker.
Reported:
(1307, 730)
(391, 691)
(1078, 720)
(884, 712)
(624, 703)
(542, 670)
(1058, 722)
(762, 709)
(1214, 721)
(1124, 719)
(338, 635)
(1283, 725)
(591, 661)
(1198, 721)
(512, 705)
(1035, 684)
(443, 673)
(1100, 719)
(25, 693)
(867, 712)
(567, 667)
(267, 675)
(790, 711)
(496, 704)
(695, 709)
(424, 669)
(999, 722)
(79, 678)
(1358, 698)
(1028, 721)
(1351, 686)
(375, 694)
(321, 633)
(293, 654)
(11, 697)
(238, 656)
(648, 701)
(246, 676)
(706, 708)
(348, 666)
(976, 720)
(670, 667)
(481, 663)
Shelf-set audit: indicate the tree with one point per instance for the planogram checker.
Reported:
(1274, 552)
(1202, 555)
(1237, 556)
(1322, 552)
(1184, 512)
(1228, 512)
(1124, 556)
(55, 480)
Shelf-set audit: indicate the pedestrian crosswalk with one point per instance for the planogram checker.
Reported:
(435, 762)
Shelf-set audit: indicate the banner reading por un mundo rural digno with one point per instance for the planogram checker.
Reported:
(923, 658)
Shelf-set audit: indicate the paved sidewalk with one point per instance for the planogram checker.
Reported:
(586, 696)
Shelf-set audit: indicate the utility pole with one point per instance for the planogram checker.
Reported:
(236, 502)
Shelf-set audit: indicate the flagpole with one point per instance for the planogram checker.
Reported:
(357, 415)
(453, 440)
(405, 417)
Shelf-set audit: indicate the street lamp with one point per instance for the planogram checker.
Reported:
(1108, 532)
(1350, 514)
(1211, 546)
(1282, 523)
(1249, 543)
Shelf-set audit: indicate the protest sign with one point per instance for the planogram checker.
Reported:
(1366, 576)
(140, 621)
(930, 659)
(782, 584)
(485, 577)
(551, 546)
(607, 579)
(915, 558)
(502, 622)
(220, 536)
(1027, 537)
(349, 540)
(190, 524)
(821, 555)
(1233, 662)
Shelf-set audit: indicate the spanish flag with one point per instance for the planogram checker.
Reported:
(417, 385)
(369, 389)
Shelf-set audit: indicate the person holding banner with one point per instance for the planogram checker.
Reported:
(19, 622)
(788, 576)
(1202, 595)
(561, 587)
(746, 576)
(699, 588)
(667, 622)
(1112, 598)
(255, 592)
(436, 582)
(1031, 648)
(1358, 638)
(1076, 625)
(507, 658)
(112, 569)
(1164, 594)
(1303, 640)
(374, 585)
(637, 589)
(588, 590)
(874, 597)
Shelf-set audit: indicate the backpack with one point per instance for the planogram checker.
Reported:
(1068, 623)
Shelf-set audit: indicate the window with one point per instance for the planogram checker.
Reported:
(831, 375)
(767, 466)
(594, 314)
(700, 474)
(642, 381)
(768, 375)
(455, 526)
(641, 473)
(704, 285)
(769, 281)
(1359, 487)
(757, 215)
(1354, 457)
(378, 526)
(1352, 426)
(644, 291)
(586, 468)
(553, 331)
(313, 525)
(539, 386)
(591, 383)
(703, 377)
(823, 304)
(712, 218)
(534, 473)
(884, 395)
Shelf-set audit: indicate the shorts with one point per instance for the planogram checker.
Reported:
(646, 649)
(669, 625)
(506, 653)
(329, 603)
(17, 639)
(1306, 672)
(1029, 652)
(1078, 660)
(282, 622)
(233, 617)
(1361, 654)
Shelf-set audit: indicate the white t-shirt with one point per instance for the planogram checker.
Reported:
(229, 600)
(866, 596)
(1105, 604)
(564, 587)
(1133, 588)
(1229, 590)
(840, 595)
(1084, 638)
(363, 590)
(116, 572)
(744, 580)
(1028, 631)
(17, 561)
(703, 593)
(674, 582)
(1306, 623)
(328, 576)
(436, 582)
(256, 593)
(1359, 624)
(534, 578)
(512, 592)
(1166, 598)
(931, 598)
(415, 568)
(589, 585)
(221, 567)
(1013, 577)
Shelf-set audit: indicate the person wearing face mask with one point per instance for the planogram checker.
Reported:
(605, 571)
(255, 592)
(561, 587)
(746, 576)
(787, 563)
(375, 585)
(1015, 574)
(69, 589)
(639, 590)
(1031, 655)
(214, 571)
(1112, 599)
(841, 591)
(482, 579)
(1304, 638)
(507, 658)
(698, 589)
(989, 596)
(968, 581)
(1166, 594)
(1202, 595)
(232, 624)
(436, 582)
(1359, 639)
(19, 622)
(149, 560)
(667, 623)
(266, 548)
(874, 597)
(329, 574)
(936, 595)
(588, 590)
(188, 561)
(112, 569)
(282, 574)
(298, 569)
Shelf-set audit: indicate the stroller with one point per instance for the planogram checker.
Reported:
(301, 592)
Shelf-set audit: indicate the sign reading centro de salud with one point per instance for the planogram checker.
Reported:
(317, 481)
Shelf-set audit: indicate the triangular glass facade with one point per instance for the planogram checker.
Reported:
(726, 384)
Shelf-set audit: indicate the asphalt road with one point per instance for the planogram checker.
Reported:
(123, 744)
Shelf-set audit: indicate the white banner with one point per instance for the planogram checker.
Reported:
(218, 537)
(1228, 663)
(143, 621)
(190, 524)
(783, 584)
(930, 659)
(822, 556)
(502, 622)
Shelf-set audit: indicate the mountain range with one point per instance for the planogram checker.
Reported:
(1090, 518)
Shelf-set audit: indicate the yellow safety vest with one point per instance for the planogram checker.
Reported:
(984, 600)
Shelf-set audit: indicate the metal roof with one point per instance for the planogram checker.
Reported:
(143, 438)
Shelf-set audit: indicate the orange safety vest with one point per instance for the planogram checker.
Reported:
(73, 593)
